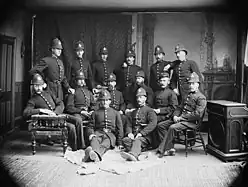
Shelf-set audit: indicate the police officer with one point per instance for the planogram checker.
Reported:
(185, 116)
(81, 105)
(45, 102)
(81, 64)
(165, 100)
(101, 69)
(105, 130)
(53, 71)
(117, 101)
(157, 68)
(138, 133)
(181, 71)
(126, 75)
(130, 92)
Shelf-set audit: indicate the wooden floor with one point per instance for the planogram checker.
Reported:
(49, 168)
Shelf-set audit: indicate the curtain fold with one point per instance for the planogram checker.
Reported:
(95, 30)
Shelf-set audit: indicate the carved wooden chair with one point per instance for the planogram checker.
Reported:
(182, 137)
(44, 125)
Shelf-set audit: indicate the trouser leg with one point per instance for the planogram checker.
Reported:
(127, 143)
(137, 146)
(167, 142)
(72, 136)
(100, 144)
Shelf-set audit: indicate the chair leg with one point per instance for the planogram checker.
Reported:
(203, 144)
(186, 143)
(65, 137)
(33, 143)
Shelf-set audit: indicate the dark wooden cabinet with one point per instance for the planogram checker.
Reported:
(225, 129)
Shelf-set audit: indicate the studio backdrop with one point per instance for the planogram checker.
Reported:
(95, 30)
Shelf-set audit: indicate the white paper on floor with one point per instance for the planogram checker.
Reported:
(112, 162)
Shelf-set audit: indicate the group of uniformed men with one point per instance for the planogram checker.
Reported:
(109, 108)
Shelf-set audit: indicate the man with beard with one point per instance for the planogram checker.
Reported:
(130, 93)
(184, 117)
(101, 69)
(126, 75)
(143, 122)
(81, 64)
(157, 68)
(81, 105)
(104, 131)
(45, 102)
(52, 70)
(182, 68)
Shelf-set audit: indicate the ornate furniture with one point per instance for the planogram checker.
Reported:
(191, 142)
(219, 84)
(225, 129)
(45, 125)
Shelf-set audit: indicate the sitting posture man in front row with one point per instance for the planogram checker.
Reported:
(143, 121)
(45, 102)
(184, 117)
(105, 130)
(81, 105)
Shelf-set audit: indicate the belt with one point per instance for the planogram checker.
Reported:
(106, 130)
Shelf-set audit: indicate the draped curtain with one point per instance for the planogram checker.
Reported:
(96, 30)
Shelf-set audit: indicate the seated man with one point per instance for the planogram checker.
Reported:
(105, 130)
(130, 92)
(44, 102)
(185, 116)
(143, 122)
(165, 100)
(117, 101)
(81, 105)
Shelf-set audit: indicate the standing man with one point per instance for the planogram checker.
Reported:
(105, 130)
(126, 75)
(130, 92)
(185, 116)
(181, 71)
(52, 70)
(157, 68)
(81, 64)
(101, 69)
(143, 122)
(81, 105)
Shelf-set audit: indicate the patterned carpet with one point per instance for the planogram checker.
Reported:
(49, 168)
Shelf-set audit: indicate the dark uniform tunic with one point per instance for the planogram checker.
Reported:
(191, 110)
(53, 72)
(47, 100)
(107, 126)
(126, 76)
(143, 120)
(166, 101)
(130, 95)
(155, 71)
(182, 71)
(81, 64)
(117, 103)
(82, 99)
(101, 71)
